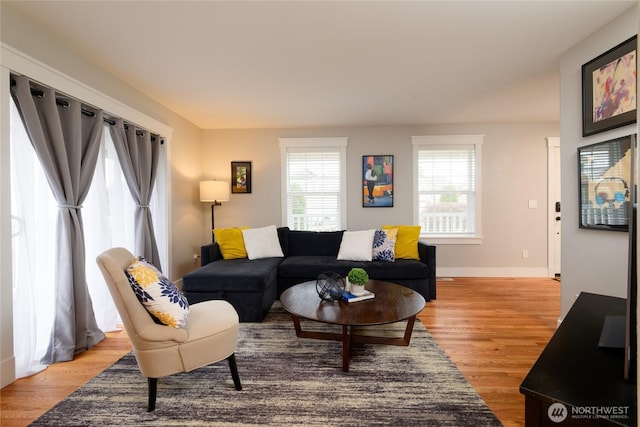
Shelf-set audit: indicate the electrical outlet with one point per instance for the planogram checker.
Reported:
(525, 254)
(195, 258)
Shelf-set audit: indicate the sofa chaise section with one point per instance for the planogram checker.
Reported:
(251, 286)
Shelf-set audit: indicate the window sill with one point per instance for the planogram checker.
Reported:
(451, 240)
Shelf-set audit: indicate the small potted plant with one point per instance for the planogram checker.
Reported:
(357, 278)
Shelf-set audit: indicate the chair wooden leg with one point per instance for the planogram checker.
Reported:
(153, 389)
(234, 371)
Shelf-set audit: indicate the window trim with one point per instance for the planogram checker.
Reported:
(338, 143)
(426, 141)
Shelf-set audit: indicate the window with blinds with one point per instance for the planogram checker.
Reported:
(313, 183)
(447, 185)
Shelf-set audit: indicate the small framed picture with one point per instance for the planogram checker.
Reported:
(241, 177)
(377, 181)
(609, 89)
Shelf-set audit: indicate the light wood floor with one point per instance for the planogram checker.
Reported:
(493, 329)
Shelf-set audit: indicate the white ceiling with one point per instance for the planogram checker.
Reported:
(268, 64)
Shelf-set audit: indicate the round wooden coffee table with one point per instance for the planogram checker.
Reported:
(392, 303)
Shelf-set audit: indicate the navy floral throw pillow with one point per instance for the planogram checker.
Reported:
(384, 244)
(162, 299)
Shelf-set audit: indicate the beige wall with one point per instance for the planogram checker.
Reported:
(592, 260)
(514, 172)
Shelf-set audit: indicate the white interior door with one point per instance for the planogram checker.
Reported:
(554, 207)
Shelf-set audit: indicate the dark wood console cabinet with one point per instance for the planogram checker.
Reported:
(576, 376)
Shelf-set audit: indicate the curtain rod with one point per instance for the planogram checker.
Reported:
(63, 103)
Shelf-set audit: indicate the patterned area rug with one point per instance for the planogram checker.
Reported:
(289, 381)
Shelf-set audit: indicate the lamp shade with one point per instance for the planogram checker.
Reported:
(214, 191)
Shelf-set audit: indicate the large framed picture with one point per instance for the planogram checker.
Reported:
(377, 181)
(241, 177)
(605, 184)
(609, 89)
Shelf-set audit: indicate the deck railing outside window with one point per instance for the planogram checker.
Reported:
(445, 222)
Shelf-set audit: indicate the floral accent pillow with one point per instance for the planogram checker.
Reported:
(162, 299)
(384, 244)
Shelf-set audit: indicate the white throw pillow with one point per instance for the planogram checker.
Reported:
(356, 245)
(262, 242)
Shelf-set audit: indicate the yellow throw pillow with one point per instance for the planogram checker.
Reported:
(406, 241)
(231, 242)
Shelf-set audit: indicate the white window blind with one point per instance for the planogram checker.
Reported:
(447, 185)
(313, 183)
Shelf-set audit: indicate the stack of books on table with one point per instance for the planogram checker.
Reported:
(349, 297)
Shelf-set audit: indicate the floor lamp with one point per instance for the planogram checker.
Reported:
(214, 192)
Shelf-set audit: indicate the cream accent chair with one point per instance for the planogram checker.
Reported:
(210, 336)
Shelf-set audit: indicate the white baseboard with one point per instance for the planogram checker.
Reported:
(491, 272)
(7, 372)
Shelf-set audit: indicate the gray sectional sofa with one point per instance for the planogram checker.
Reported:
(252, 286)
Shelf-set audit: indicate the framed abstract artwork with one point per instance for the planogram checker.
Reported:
(605, 184)
(609, 89)
(241, 177)
(377, 181)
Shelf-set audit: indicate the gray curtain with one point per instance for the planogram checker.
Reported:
(67, 142)
(138, 155)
